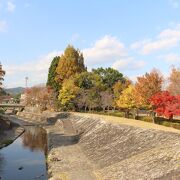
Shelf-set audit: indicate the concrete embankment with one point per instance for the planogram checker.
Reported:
(85, 146)
(8, 131)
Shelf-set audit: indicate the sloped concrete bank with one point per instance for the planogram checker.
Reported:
(9, 131)
(86, 146)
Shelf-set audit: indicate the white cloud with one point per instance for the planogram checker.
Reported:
(3, 26)
(105, 50)
(128, 64)
(168, 38)
(11, 6)
(171, 58)
(40, 65)
(36, 70)
(110, 51)
(174, 3)
(139, 44)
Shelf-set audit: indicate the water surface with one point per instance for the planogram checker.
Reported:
(24, 159)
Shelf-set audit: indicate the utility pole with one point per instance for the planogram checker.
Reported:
(26, 81)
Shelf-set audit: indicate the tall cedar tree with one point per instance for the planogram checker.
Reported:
(70, 63)
(174, 82)
(51, 82)
(146, 86)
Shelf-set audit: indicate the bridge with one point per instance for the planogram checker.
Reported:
(12, 107)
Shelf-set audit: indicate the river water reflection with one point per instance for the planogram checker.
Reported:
(25, 158)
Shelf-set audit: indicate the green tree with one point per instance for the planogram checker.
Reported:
(88, 80)
(109, 76)
(93, 98)
(51, 82)
(91, 85)
(70, 63)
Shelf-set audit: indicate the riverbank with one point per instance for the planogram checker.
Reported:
(9, 131)
(87, 146)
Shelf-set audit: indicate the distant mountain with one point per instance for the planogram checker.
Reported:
(15, 91)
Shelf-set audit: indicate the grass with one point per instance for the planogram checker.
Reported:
(158, 120)
(165, 122)
(116, 114)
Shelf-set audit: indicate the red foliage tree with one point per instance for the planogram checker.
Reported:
(165, 104)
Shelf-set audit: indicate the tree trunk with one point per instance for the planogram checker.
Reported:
(104, 109)
(171, 118)
(127, 113)
(134, 113)
(137, 113)
(153, 116)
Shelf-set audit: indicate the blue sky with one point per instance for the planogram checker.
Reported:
(131, 36)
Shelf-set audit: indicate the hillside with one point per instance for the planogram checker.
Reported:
(14, 91)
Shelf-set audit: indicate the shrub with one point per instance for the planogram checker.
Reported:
(145, 118)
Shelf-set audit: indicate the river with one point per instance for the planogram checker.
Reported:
(25, 158)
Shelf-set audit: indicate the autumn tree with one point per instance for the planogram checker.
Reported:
(68, 93)
(174, 81)
(126, 100)
(70, 63)
(146, 86)
(166, 104)
(2, 73)
(109, 76)
(118, 88)
(81, 100)
(51, 82)
(40, 97)
(106, 99)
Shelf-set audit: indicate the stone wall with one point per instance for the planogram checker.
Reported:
(119, 151)
(5, 124)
